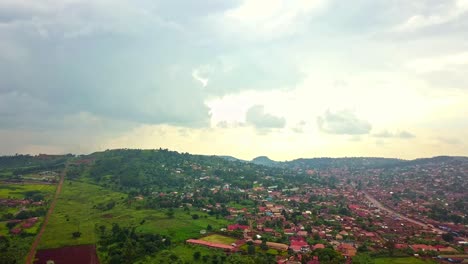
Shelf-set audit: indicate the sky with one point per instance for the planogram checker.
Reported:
(281, 78)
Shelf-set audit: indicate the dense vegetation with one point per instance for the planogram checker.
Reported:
(124, 243)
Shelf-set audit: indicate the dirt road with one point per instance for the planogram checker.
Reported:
(396, 214)
(32, 251)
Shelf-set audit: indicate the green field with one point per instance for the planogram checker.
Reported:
(74, 212)
(408, 260)
(3, 229)
(219, 239)
(17, 191)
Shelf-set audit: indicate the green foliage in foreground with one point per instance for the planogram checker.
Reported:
(122, 243)
(14, 249)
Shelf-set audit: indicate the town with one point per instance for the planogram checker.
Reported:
(220, 210)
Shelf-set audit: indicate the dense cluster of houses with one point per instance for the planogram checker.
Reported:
(322, 225)
(19, 202)
(22, 224)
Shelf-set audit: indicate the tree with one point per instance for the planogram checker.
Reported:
(102, 228)
(209, 228)
(196, 255)
(173, 257)
(447, 237)
(362, 258)
(76, 234)
(328, 255)
(264, 246)
(170, 213)
(251, 249)
(390, 245)
(363, 248)
(8, 216)
(10, 225)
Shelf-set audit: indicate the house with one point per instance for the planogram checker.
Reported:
(318, 246)
(273, 245)
(347, 250)
(237, 227)
(422, 247)
(299, 244)
(445, 249)
(401, 246)
(16, 231)
(315, 260)
(224, 247)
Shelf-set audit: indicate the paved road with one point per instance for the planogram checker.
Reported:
(32, 251)
(395, 214)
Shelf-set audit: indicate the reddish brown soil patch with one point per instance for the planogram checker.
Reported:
(83, 254)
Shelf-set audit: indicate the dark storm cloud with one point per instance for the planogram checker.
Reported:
(121, 60)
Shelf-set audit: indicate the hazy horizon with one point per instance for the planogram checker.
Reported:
(227, 155)
(245, 78)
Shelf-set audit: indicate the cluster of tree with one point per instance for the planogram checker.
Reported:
(25, 161)
(75, 171)
(105, 205)
(14, 249)
(8, 254)
(23, 164)
(25, 214)
(328, 256)
(149, 171)
(123, 244)
(440, 213)
(34, 195)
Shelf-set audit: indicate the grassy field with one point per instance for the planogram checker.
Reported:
(408, 260)
(219, 239)
(74, 212)
(17, 191)
(3, 229)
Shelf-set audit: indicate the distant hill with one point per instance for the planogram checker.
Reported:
(231, 158)
(437, 160)
(349, 162)
(355, 162)
(265, 161)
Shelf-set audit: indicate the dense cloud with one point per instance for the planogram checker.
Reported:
(342, 123)
(105, 67)
(257, 117)
(122, 60)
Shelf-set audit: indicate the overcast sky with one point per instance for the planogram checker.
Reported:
(282, 78)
